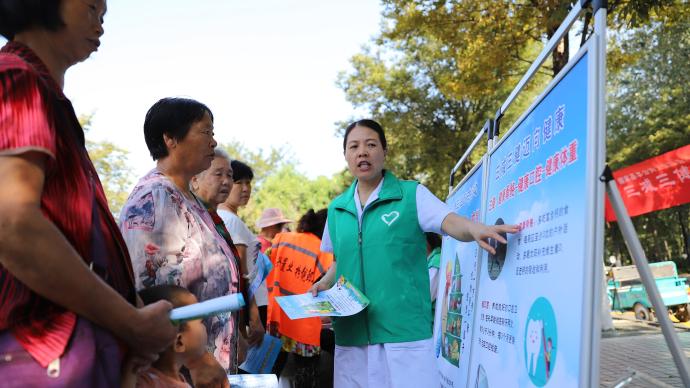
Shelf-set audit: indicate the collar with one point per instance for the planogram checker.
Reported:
(26, 54)
(373, 196)
(391, 190)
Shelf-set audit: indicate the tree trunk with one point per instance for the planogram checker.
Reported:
(684, 233)
(560, 55)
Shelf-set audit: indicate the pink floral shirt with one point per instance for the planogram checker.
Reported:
(172, 240)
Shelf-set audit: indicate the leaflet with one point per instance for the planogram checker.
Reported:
(253, 381)
(260, 359)
(207, 308)
(342, 299)
(263, 267)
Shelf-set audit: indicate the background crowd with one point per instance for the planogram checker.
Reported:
(86, 299)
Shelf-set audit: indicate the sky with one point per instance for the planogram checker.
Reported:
(266, 68)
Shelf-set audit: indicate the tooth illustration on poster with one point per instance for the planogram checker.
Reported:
(541, 340)
(533, 344)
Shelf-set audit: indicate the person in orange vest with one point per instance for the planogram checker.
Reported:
(297, 263)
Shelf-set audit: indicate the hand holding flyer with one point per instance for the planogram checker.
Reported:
(260, 359)
(342, 299)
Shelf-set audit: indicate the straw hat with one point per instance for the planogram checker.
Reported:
(271, 216)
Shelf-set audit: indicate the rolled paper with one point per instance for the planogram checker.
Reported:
(207, 308)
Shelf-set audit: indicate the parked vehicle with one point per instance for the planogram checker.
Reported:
(626, 292)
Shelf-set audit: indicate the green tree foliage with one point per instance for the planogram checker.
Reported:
(113, 170)
(293, 193)
(435, 74)
(263, 162)
(648, 115)
(648, 95)
(278, 183)
(110, 162)
(439, 69)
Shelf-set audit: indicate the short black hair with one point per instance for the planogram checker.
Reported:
(19, 15)
(174, 117)
(313, 222)
(170, 292)
(371, 124)
(241, 171)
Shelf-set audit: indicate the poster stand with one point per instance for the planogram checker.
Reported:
(592, 290)
(640, 259)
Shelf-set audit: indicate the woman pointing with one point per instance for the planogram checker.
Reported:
(376, 231)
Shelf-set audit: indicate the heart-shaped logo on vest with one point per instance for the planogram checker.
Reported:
(390, 217)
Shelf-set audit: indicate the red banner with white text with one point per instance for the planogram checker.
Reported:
(657, 183)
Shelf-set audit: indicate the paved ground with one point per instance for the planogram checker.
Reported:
(637, 349)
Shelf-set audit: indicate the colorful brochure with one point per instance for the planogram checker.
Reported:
(207, 308)
(342, 299)
(260, 359)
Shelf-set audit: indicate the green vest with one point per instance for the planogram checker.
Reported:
(385, 259)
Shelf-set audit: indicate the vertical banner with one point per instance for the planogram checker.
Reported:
(457, 289)
(529, 315)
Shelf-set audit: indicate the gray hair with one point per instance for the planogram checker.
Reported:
(218, 153)
(221, 153)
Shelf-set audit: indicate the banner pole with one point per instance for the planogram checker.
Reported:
(597, 285)
(639, 257)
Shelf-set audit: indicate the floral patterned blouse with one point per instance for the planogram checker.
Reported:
(173, 240)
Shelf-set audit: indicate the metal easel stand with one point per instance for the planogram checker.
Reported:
(640, 259)
(633, 376)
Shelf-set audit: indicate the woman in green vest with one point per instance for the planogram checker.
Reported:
(375, 230)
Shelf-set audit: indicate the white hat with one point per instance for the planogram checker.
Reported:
(271, 216)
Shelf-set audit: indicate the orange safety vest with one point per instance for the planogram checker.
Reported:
(297, 263)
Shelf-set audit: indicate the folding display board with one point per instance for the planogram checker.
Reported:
(532, 316)
(528, 314)
(457, 288)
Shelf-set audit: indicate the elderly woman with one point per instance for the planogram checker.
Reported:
(170, 235)
(67, 298)
(212, 186)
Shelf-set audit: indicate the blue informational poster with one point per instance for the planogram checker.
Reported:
(529, 324)
(457, 287)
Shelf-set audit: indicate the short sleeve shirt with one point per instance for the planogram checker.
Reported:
(173, 240)
(241, 235)
(35, 116)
